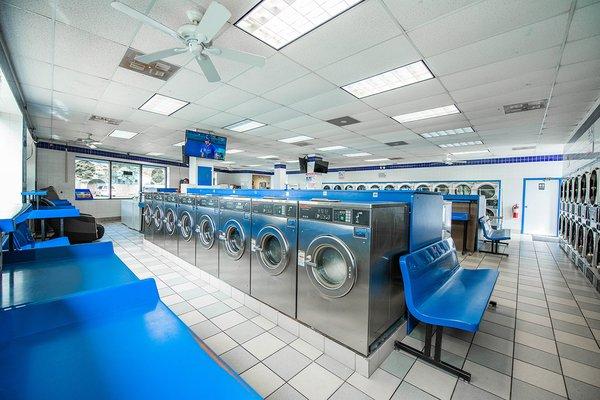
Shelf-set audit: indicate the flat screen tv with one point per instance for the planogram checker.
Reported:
(204, 145)
(303, 164)
(321, 166)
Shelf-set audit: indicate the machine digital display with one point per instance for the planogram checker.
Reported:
(204, 145)
(262, 208)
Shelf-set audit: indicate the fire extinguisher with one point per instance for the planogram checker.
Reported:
(515, 211)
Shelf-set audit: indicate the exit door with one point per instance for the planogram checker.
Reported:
(540, 206)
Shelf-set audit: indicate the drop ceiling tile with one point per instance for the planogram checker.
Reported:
(99, 18)
(37, 95)
(517, 96)
(576, 86)
(137, 80)
(417, 105)
(149, 40)
(110, 110)
(39, 7)
(225, 97)
(145, 118)
(277, 115)
(361, 27)
(78, 83)
(277, 71)
(173, 123)
(583, 96)
(369, 126)
(118, 93)
(302, 88)
(33, 72)
(582, 50)
(385, 56)
(298, 122)
(412, 13)
(221, 119)
(227, 69)
(237, 39)
(254, 107)
(484, 20)
(534, 37)
(67, 102)
(22, 31)
(194, 112)
(412, 92)
(505, 69)
(349, 109)
(429, 123)
(582, 70)
(585, 22)
(333, 98)
(82, 51)
(188, 86)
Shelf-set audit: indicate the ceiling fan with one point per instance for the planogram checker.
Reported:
(196, 37)
(88, 142)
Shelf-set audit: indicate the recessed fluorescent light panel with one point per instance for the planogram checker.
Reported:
(253, 165)
(244, 125)
(154, 153)
(280, 22)
(377, 159)
(425, 114)
(179, 144)
(163, 105)
(267, 157)
(332, 148)
(296, 139)
(122, 134)
(460, 144)
(447, 132)
(470, 152)
(234, 151)
(292, 161)
(411, 73)
(357, 154)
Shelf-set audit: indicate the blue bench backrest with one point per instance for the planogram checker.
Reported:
(426, 270)
(22, 236)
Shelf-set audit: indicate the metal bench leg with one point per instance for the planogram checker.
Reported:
(494, 248)
(425, 355)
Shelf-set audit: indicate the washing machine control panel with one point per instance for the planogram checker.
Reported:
(207, 202)
(350, 216)
(235, 205)
(316, 213)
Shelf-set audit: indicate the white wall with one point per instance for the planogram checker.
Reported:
(510, 175)
(11, 155)
(57, 168)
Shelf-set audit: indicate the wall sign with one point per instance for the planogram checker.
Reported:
(542, 186)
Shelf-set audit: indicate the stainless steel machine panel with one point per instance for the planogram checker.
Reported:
(186, 228)
(206, 230)
(170, 229)
(158, 219)
(147, 222)
(274, 251)
(349, 283)
(234, 241)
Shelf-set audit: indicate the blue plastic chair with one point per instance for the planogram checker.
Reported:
(22, 239)
(493, 236)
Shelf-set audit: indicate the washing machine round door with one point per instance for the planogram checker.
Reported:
(326, 187)
(374, 187)
(206, 232)
(462, 189)
(389, 187)
(186, 226)
(487, 191)
(589, 246)
(273, 250)
(337, 187)
(441, 188)
(593, 186)
(361, 187)
(234, 239)
(349, 187)
(423, 188)
(147, 215)
(158, 216)
(170, 222)
(405, 187)
(331, 266)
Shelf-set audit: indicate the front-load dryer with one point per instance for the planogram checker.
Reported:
(405, 186)
(588, 244)
(147, 222)
(463, 188)
(274, 251)
(584, 182)
(579, 238)
(423, 187)
(375, 187)
(349, 283)
(207, 243)
(158, 219)
(235, 230)
(389, 186)
(186, 225)
(442, 188)
(327, 187)
(337, 187)
(361, 187)
(596, 258)
(170, 229)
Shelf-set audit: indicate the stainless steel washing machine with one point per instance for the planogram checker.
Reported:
(186, 225)
(158, 219)
(234, 237)
(588, 244)
(349, 283)
(147, 222)
(579, 238)
(170, 229)
(274, 251)
(207, 244)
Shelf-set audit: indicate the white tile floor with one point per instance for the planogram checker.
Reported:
(540, 343)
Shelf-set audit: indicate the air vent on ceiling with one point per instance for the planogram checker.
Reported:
(159, 69)
(109, 121)
(524, 148)
(397, 143)
(528, 106)
(343, 121)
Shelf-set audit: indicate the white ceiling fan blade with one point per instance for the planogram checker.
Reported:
(143, 18)
(238, 56)
(213, 20)
(159, 55)
(207, 66)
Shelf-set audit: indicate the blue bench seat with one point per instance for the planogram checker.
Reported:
(493, 236)
(441, 294)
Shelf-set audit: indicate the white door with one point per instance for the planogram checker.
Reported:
(540, 213)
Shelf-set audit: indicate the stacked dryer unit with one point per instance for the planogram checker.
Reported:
(389, 186)
(463, 188)
(405, 186)
(443, 188)
(423, 187)
(147, 221)
(206, 231)
(158, 219)
(489, 190)
(186, 227)
(169, 243)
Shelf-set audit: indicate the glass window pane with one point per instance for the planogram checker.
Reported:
(125, 180)
(153, 177)
(93, 175)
